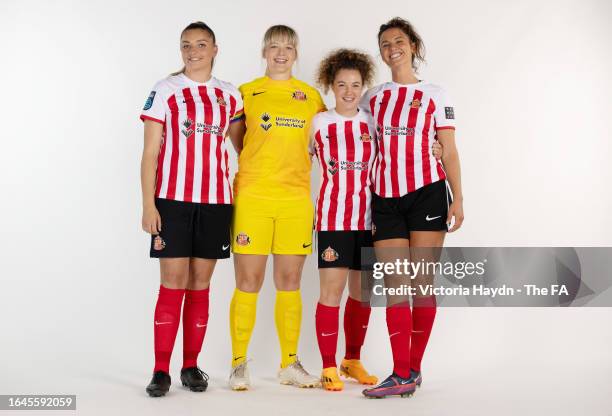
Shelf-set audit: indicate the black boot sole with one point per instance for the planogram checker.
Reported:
(156, 392)
(197, 389)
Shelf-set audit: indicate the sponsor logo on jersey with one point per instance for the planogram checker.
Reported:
(243, 240)
(365, 137)
(265, 117)
(188, 124)
(416, 103)
(450, 113)
(329, 255)
(149, 102)
(299, 95)
(333, 166)
(221, 101)
(399, 131)
(158, 243)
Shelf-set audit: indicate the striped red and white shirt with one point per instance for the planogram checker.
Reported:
(407, 118)
(193, 161)
(345, 148)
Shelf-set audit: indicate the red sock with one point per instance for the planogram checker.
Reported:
(423, 315)
(195, 320)
(399, 326)
(356, 318)
(326, 319)
(167, 318)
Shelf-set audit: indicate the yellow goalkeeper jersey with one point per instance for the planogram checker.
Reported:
(274, 162)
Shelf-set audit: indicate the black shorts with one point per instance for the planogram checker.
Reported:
(425, 209)
(192, 230)
(342, 248)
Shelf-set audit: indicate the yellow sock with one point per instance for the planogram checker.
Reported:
(288, 314)
(242, 320)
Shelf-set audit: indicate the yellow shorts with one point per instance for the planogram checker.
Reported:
(264, 226)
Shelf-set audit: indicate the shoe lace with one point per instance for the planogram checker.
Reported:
(202, 373)
(240, 369)
(297, 366)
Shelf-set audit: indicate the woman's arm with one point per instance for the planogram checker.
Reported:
(450, 159)
(151, 220)
(236, 132)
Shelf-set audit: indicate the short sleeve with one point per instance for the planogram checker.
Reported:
(444, 114)
(364, 104)
(154, 108)
(319, 104)
(238, 108)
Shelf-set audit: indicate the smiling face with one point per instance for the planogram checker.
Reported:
(280, 54)
(347, 89)
(198, 50)
(396, 49)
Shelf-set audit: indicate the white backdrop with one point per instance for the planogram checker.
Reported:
(531, 86)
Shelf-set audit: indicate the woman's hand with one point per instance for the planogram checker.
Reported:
(455, 210)
(151, 220)
(437, 150)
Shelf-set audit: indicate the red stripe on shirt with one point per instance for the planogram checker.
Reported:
(175, 144)
(222, 123)
(323, 164)
(349, 140)
(413, 112)
(393, 146)
(367, 150)
(333, 151)
(205, 188)
(380, 172)
(425, 147)
(189, 157)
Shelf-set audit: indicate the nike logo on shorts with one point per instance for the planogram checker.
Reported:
(200, 326)
(162, 323)
(323, 334)
(304, 245)
(428, 218)
(225, 247)
(257, 93)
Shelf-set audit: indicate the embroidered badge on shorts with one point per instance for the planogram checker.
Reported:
(158, 243)
(329, 255)
(242, 239)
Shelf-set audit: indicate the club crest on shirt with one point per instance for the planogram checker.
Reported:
(221, 101)
(158, 243)
(416, 103)
(450, 113)
(188, 130)
(299, 95)
(329, 255)
(149, 102)
(265, 117)
(243, 240)
(333, 166)
(365, 137)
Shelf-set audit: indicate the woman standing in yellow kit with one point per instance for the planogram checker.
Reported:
(273, 212)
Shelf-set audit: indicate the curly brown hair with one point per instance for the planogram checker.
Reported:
(344, 59)
(405, 26)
